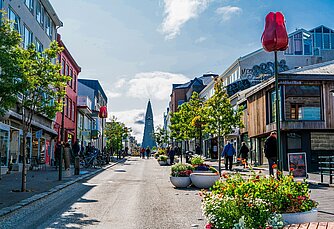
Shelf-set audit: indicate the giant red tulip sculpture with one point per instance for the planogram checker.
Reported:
(275, 38)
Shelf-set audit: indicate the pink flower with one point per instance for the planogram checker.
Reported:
(208, 226)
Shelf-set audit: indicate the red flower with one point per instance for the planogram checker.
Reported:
(208, 226)
(274, 166)
(292, 169)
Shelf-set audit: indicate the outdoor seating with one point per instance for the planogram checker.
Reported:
(326, 167)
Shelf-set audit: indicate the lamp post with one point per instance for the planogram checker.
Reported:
(275, 38)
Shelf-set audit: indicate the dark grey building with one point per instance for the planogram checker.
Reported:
(148, 139)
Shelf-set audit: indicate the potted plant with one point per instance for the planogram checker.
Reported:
(257, 202)
(180, 175)
(197, 160)
(162, 159)
(204, 175)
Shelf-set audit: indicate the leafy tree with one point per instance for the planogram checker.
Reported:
(161, 136)
(221, 116)
(115, 131)
(10, 68)
(43, 89)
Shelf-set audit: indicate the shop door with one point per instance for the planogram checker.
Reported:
(47, 150)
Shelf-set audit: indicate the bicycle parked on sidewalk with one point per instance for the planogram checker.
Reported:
(92, 160)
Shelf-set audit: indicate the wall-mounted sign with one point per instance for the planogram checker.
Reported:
(297, 164)
(255, 75)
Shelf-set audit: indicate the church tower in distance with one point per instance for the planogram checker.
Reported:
(148, 139)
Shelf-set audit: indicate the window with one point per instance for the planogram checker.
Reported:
(66, 106)
(63, 67)
(66, 70)
(303, 102)
(272, 107)
(30, 5)
(75, 82)
(70, 108)
(73, 112)
(48, 28)
(80, 121)
(294, 141)
(307, 39)
(39, 12)
(12, 16)
(39, 46)
(71, 80)
(326, 41)
(27, 37)
(298, 44)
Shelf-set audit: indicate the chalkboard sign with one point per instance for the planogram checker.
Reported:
(297, 164)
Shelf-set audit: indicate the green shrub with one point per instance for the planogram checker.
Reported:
(181, 170)
(162, 158)
(197, 160)
(255, 198)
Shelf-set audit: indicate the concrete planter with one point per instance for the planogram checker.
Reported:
(162, 162)
(180, 182)
(204, 180)
(300, 217)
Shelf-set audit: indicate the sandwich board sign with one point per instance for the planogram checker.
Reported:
(297, 164)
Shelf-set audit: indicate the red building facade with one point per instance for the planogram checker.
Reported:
(70, 68)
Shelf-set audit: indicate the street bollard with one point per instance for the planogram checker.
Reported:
(77, 165)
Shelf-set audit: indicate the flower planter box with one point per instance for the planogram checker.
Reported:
(202, 171)
(180, 182)
(300, 217)
(204, 180)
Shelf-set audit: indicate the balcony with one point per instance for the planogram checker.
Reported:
(84, 104)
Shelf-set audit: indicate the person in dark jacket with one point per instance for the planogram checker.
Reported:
(244, 153)
(270, 151)
(171, 156)
(228, 153)
(57, 153)
(148, 152)
(76, 148)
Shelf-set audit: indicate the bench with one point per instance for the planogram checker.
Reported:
(326, 167)
(313, 225)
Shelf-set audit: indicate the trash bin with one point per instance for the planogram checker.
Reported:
(77, 165)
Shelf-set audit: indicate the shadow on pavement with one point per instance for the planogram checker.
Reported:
(73, 220)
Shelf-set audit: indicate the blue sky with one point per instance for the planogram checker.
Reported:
(138, 48)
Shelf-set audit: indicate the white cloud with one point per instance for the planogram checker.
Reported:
(120, 83)
(129, 118)
(111, 94)
(154, 85)
(200, 40)
(227, 12)
(178, 12)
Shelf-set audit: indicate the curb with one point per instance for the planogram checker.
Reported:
(34, 198)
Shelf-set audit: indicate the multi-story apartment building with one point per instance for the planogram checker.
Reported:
(98, 98)
(37, 22)
(69, 67)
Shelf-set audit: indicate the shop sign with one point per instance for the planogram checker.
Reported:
(297, 164)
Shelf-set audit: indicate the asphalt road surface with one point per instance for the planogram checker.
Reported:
(135, 194)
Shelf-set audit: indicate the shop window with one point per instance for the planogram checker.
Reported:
(302, 102)
(272, 107)
(4, 136)
(294, 141)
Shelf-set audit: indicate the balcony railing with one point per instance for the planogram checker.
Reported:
(84, 101)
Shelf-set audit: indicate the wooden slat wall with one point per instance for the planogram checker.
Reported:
(257, 114)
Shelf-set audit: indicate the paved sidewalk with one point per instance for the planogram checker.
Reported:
(39, 184)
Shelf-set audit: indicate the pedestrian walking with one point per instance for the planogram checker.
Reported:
(142, 153)
(198, 149)
(228, 153)
(57, 153)
(244, 154)
(76, 148)
(270, 151)
(148, 152)
(171, 156)
(67, 155)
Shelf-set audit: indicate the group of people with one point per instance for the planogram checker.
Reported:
(145, 152)
(71, 152)
(270, 152)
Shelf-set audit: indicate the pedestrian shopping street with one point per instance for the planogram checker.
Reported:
(134, 194)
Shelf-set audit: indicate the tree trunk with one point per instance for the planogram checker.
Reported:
(200, 141)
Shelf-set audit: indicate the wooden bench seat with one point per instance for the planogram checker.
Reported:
(313, 225)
